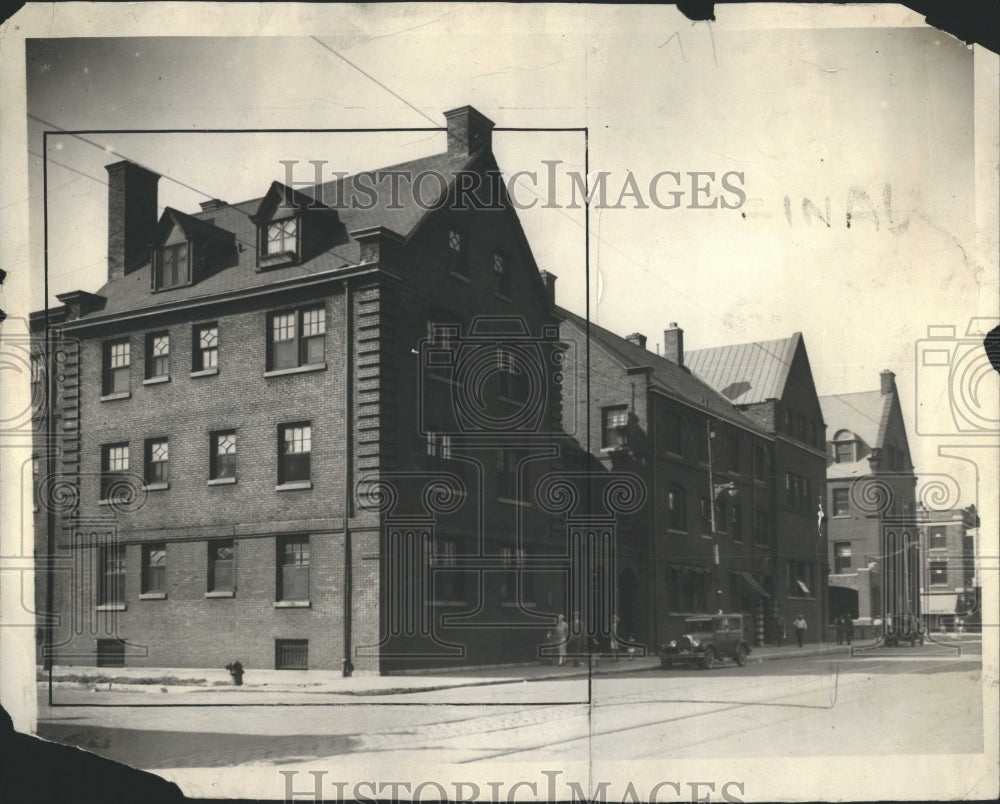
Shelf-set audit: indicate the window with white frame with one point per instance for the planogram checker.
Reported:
(206, 347)
(297, 338)
(117, 363)
(295, 442)
(157, 461)
(282, 237)
(222, 458)
(157, 355)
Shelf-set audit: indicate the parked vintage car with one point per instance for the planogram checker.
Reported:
(707, 639)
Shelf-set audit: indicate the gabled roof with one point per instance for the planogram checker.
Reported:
(866, 414)
(746, 373)
(364, 206)
(664, 375)
(192, 226)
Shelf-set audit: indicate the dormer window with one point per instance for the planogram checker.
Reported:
(172, 266)
(282, 237)
(845, 447)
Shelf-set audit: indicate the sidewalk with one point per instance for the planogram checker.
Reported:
(199, 680)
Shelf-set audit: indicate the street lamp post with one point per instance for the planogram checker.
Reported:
(714, 491)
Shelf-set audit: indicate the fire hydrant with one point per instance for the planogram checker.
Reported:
(236, 671)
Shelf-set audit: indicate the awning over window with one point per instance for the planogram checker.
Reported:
(752, 583)
(803, 588)
(940, 604)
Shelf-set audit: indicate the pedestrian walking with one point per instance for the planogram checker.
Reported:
(576, 639)
(615, 624)
(799, 623)
(848, 628)
(838, 626)
(562, 637)
(779, 629)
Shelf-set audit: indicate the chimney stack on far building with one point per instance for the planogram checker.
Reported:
(468, 131)
(637, 338)
(549, 280)
(888, 382)
(673, 344)
(132, 216)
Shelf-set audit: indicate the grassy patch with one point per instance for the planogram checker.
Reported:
(100, 678)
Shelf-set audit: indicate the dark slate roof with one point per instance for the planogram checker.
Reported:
(746, 373)
(132, 291)
(665, 375)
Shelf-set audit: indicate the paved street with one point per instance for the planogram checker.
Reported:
(814, 705)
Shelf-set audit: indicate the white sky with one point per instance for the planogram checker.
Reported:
(803, 113)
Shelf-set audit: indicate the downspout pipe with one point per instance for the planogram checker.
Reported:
(348, 665)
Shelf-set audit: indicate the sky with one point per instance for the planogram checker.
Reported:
(822, 124)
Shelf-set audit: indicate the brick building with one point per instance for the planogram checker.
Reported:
(679, 554)
(304, 430)
(873, 540)
(950, 589)
(771, 383)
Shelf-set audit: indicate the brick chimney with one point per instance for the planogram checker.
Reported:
(132, 216)
(549, 280)
(888, 382)
(468, 131)
(673, 344)
(637, 338)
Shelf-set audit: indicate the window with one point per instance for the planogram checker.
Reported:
(759, 461)
(720, 516)
(841, 557)
(790, 488)
(296, 338)
(439, 445)
(502, 272)
(706, 515)
(506, 475)
(37, 382)
(675, 506)
(761, 527)
(293, 568)
(938, 537)
(222, 458)
(449, 583)
(111, 583)
(171, 266)
(206, 347)
(844, 451)
(157, 355)
(615, 421)
(672, 432)
(154, 569)
(221, 560)
(291, 654)
(117, 359)
(295, 451)
(733, 444)
(458, 260)
(841, 506)
(157, 461)
(736, 522)
(114, 464)
(510, 384)
(812, 434)
(938, 571)
(282, 237)
(110, 653)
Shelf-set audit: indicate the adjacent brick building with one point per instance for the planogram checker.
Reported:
(950, 588)
(310, 429)
(651, 416)
(874, 546)
(771, 383)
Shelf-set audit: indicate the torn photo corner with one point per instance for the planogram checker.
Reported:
(434, 402)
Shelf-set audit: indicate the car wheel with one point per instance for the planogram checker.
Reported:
(707, 660)
(741, 655)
